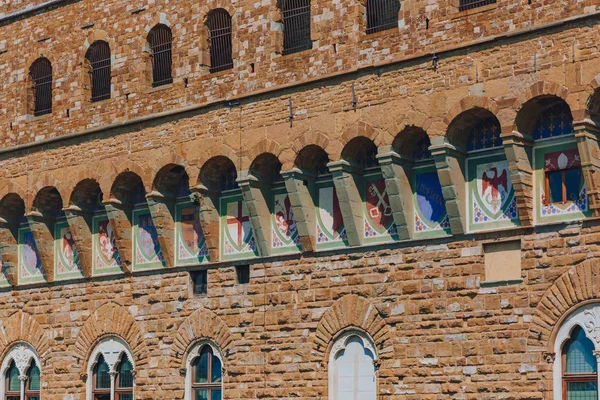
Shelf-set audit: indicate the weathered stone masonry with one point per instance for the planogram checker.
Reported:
(439, 333)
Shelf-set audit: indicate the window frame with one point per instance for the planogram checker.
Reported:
(24, 357)
(166, 55)
(31, 394)
(297, 36)
(114, 351)
(220, 37)
(102, 64)
(190, 370)
(547, 193)
(45, 98)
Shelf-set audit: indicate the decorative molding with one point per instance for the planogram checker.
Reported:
(592, 323)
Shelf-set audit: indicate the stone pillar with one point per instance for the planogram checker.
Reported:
(518, 149)
(119, 218)
(396, 171)
(450, 164)
(256, 194)
(345, 179)
(9, 250)
(299, 187)
(42, 229)
(588, 143)
(162, 210)
(80, 223)
(208, 204)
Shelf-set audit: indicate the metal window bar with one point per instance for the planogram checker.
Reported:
(219, 26)
(161, 40)
(98, 56)
(296, 25)
(470, 4)
(382, 15)
(41, 76)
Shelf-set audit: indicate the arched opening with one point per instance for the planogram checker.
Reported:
(21, 377)
(204, 372)
(112, 371)
(99, 70)
(172, 181)
(218, 22)
(296, 25)
(40, 91)
(160, 40)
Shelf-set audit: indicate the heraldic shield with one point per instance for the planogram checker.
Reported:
(493, 188)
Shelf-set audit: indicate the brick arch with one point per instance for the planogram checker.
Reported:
(467, 104)
(22, 327)
(195, 162)
(202, 324)
(172, 159)
(308, 138)
(411, 119)
(575, 287)
(110, 319)
(264, 146)
(592, 103)
(113, 168)
(358, 129)
(12, 187)
(77, 174)
(160, 19)
(96, 35)
(351, 311)
(210, 5)
(41, 181)
(540, 88)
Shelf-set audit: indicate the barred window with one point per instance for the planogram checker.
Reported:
(296, 25)
(160, 39)
(41, 86)
(382, 15)
(219, 28)
(98, 57)
(470, 4)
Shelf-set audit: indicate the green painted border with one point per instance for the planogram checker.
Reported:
(77, 273)
(179, 207)
(383, 235)
(96, 219)
(137, 212)
(337, 243)
(433, 233)
(35, 279)
(539, 151)
(223, 201)
(286, 249)
(472, 163)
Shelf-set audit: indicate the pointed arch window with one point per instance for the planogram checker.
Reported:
(160, 40)
(382, 15)
(22, 378)
(99, 63)
(219, 32)
(204, 377)
(296, 25)
(580, 367)
(40, 74)
(111, 371)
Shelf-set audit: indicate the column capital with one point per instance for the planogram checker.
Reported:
(297, 173)
(391, 157)
(516, 137)
(549, 357)
(445, 148)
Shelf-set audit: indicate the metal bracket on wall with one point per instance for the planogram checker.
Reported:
(291, 116)
(354, 99)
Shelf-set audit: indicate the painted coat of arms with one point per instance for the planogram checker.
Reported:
(330, 226)
(285, 232)
(237, 235)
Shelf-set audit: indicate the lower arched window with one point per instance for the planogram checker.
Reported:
(204, 377)
(111, 371)
(21, 373)
(580, 368)
(352, 374)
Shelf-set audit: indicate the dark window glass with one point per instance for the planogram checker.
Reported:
(200, 282)
(382, 15)
(98, 56)
(580, 367)
(563, 185)
(296, 25)
(202, 366)
(216, 370)
(41, 80)
(219, 32)
(102, 375)
(555, 183)
(243, 274)
(469, 4)
(125, 375)
(485, 135)
(34, 378)
(160, 40)
(14, 384)
(572, 183)
(207, 372)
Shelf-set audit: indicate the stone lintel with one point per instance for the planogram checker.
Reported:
(345, 177)
(518, 148)
(80, 225)
(162, 210)
(208, 205)
(396, 171)
(119, 217)
(256, 194)
(587, 135)
(9, 251)
(300, 187)
(42, 229)
(450, 164)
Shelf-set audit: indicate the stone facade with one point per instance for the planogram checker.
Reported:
(282, 123)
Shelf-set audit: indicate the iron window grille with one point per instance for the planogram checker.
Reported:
(41, 77)
(160, 40)
(382, 15)
(98, 56)
(470, 4)
(200, 282)
(296, 25)
(219, 36)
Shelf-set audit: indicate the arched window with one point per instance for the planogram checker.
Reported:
(98, 58)
(21, 374)
(160, 39)
(40, 74)
(352, 374)
(382, 15)
(219, 36)
(111, 371)
(470, 4)
(204, 377)
(296, 25)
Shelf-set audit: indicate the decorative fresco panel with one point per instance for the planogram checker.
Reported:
(379, 220)
(106, 258)
(237, 238)
(491, 198)
(555, 156)
(284, 231)
(147, 252)
(4, 282)
(431, 219)
(330, 224)
(30, 264)
(66, 259)
(189, 239)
